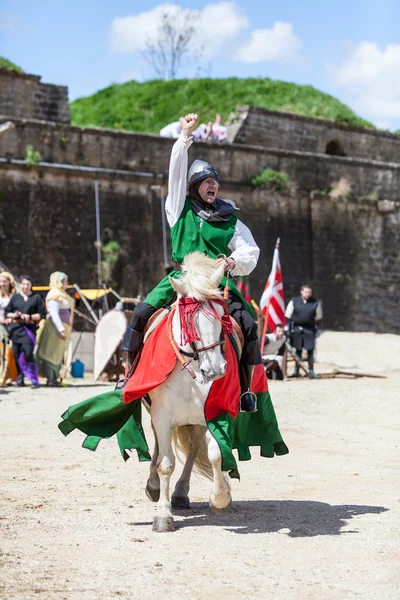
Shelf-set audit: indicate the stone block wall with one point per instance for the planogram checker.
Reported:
(26, 97)
(347, 250)
(236, 163)
(274, 129)
(356, 263)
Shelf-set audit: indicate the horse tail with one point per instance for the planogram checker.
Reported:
(181, 441)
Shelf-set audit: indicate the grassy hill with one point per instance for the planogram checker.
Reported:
(148, 106)
(7, 64)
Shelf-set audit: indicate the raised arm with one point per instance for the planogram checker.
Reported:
(178, 168)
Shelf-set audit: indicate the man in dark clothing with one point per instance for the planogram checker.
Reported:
(304, 318)
(25, 310)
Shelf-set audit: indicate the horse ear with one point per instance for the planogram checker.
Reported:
(177, 285)
(218, 274)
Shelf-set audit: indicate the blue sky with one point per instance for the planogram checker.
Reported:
(350, 49)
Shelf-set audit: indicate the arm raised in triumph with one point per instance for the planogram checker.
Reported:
(178, 167)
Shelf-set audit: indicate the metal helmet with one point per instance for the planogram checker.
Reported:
(200, 170)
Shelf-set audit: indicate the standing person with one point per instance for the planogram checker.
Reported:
(7, 290)
(200, 220)
(55, 332)
(304, 319)
(25, 310)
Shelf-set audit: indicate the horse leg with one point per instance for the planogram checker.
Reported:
(153, 482)
(180, 498)
(220, 497)
(163, 520)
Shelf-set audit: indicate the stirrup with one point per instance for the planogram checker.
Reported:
(121, 383)
(249, 404)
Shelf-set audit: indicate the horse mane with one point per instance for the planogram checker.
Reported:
(199, 277)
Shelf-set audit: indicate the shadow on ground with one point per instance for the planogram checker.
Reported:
(295, 518)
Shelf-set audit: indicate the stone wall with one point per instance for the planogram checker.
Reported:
(308, 171)
(25, 96)
(356, 262)
(274, 129)
(347, 249)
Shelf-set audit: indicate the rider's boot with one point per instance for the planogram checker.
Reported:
(132, 343)
(133, 339)
(248, 399)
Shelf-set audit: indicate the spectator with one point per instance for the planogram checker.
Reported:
(304, 320)
(54, 333)
(274, 349)
(219, 131)
(203, 131)
(173, 130)
(7, 290)
(25, 310)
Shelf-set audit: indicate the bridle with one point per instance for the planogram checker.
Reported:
(196, 351)
(181, 354)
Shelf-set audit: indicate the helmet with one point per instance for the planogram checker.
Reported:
(200, 170)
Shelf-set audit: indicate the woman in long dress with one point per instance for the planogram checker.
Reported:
(55, 332)
(7, 290)
(7, 367)
(25, 310)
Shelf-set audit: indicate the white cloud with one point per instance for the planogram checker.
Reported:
(273, 45)
(215, 24)
(372, 78)
(8, 21)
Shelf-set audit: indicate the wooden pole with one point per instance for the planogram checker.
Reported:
(264, 332)
(297, 361)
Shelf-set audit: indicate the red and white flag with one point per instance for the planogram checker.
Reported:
(272, 303)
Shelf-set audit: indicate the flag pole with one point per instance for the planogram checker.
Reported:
(264, 332)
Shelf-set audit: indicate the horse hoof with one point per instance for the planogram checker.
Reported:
(153, 494)
(221, 511)
(163, 524)
(180, 502)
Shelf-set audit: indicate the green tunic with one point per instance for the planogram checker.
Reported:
(189, 234)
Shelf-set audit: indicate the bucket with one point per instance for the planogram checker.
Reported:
(77, 369)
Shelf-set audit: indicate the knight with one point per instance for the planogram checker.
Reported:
(200, 220)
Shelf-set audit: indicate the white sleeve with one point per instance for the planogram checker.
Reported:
(53, 306)
(177, 182)
(244, 250)
(289, 310)
(318, 312)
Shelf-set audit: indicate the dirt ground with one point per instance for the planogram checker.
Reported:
(320, 523)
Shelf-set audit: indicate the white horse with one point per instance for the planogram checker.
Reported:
(177, 406)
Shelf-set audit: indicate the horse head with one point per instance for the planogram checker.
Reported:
(201, 320)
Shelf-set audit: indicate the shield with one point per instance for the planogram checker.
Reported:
(109, 333)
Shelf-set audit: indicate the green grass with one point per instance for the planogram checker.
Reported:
(7, 64)
(147, 107)
(276, 179)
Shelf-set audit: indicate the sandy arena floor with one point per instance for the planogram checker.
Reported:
(320, 523)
